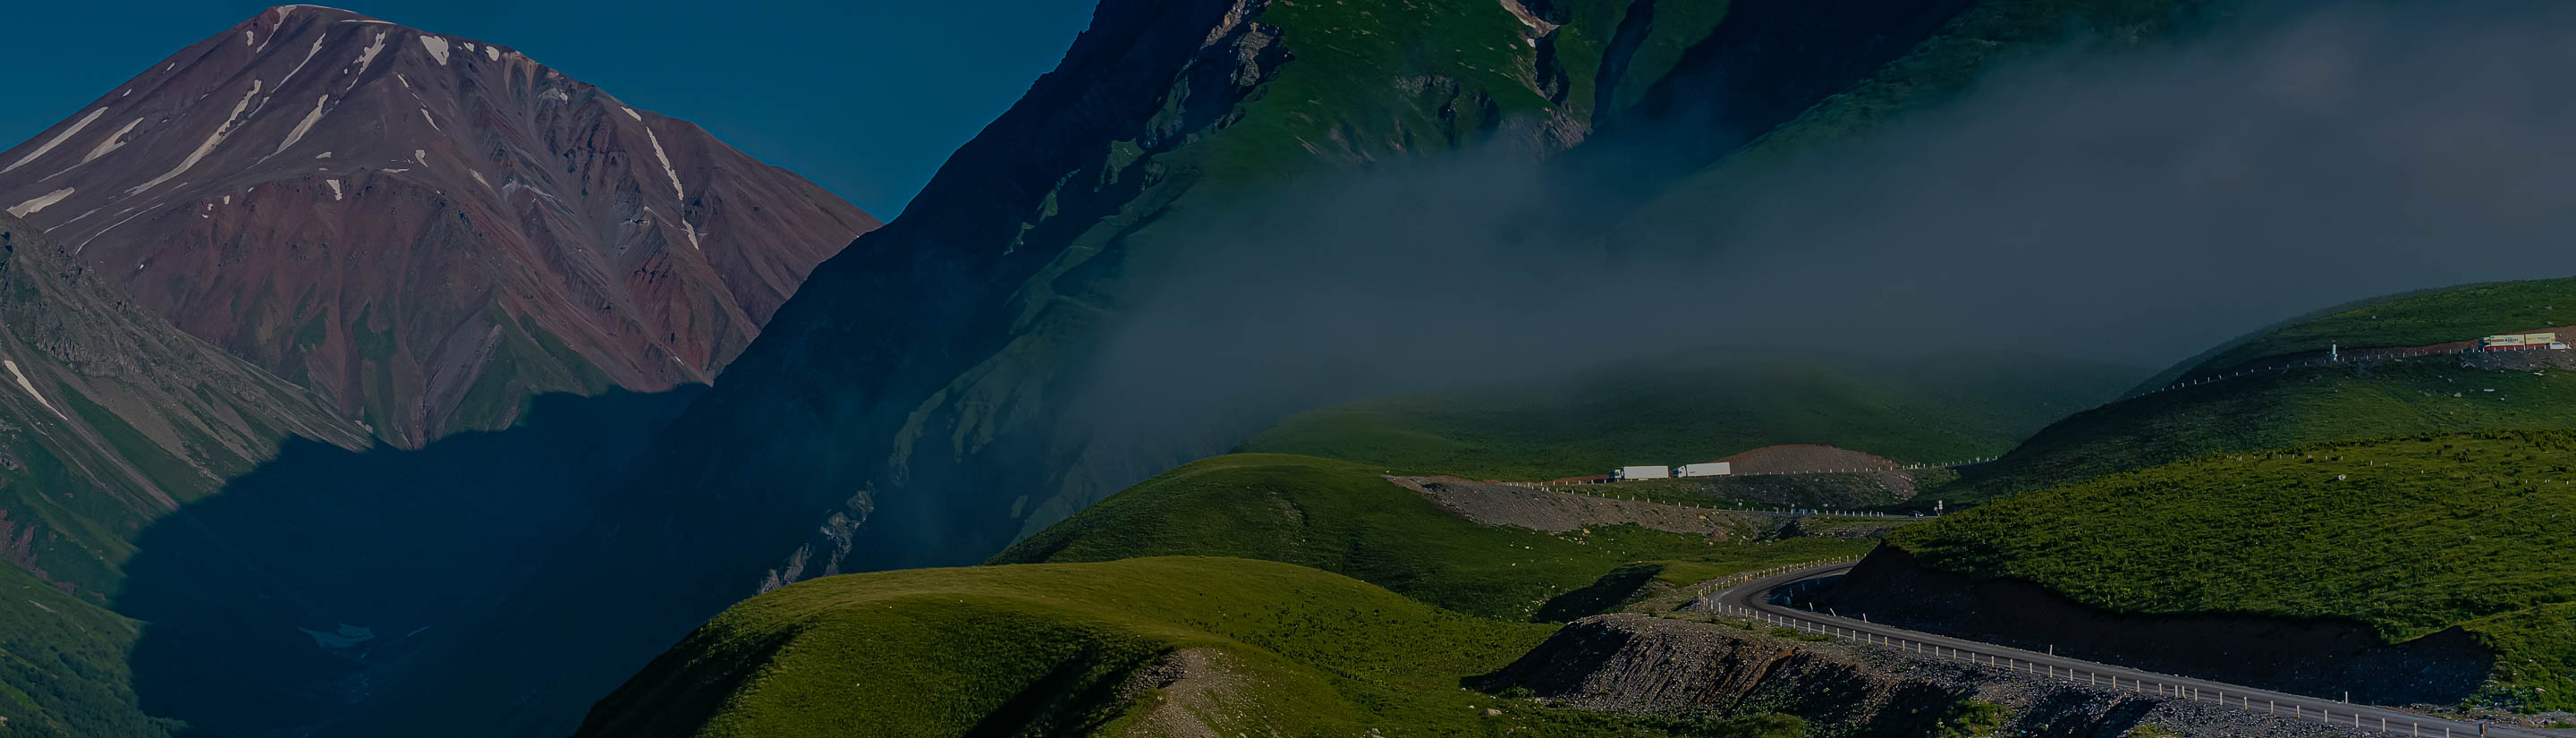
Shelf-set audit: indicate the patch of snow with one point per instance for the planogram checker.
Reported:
(492, 52)
(368, 57)
(335, 188)
(212, 140)
(630, 112)
(344, 637)
(433, 122)
(31, 206)
(228, 199)
(306, 126)
(666, 164)
(420, 155)
(396, 171)
(128, 91)
(323, 155)
(469, 47)
(114, 141)
(84, 244)
(249, 40)
(437, 48)
(58, 139)
(308, 59)
(478, 177)
(406, 81)
(30, 387)
(692, 230)
(555, 95)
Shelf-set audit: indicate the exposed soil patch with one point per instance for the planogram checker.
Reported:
(1646, 665)
(1801, 458)
(1558, 512)
(2317, 657)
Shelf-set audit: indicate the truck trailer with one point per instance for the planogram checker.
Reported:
(1710, 469)
(1632, 473)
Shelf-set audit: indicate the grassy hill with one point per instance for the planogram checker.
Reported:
(2411, 319)
(1700, 406)
(2273, 409)
(2410, 535)
(1159, 646)
(1342, 517)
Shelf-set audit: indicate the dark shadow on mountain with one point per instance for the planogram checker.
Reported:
(277, 605)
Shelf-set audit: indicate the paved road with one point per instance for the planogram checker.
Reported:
(1753, 599)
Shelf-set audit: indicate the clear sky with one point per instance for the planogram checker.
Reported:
(866, 97)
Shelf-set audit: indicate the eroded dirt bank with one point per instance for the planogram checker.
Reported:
(2315, 657)
(1647, 665)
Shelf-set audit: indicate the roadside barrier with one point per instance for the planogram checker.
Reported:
(2324, 711)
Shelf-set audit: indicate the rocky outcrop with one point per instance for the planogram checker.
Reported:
(2318, 657)
(1678, 668)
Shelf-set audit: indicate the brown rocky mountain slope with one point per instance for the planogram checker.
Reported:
(423, 229)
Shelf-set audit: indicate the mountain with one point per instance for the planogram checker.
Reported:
(424, 229)
(115, 418)
(111, 419)
(934, 392)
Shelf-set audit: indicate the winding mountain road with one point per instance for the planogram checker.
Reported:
(1752, 599)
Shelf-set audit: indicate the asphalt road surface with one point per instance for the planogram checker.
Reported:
(1753, 599)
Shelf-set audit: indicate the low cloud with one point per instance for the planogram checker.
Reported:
(2132, 206)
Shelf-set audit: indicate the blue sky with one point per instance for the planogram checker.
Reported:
(866, 97)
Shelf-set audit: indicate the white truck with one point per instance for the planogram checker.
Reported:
(1633, 473)
(1710, 469)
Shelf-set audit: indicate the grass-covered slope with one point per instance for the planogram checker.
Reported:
(63, 667)
(1142, 647)
(1703, 406)
(2276, 408)
(2413, 319)
(1345, 518)
(2410, 535)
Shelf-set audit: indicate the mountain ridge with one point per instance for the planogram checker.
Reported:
(424, 228)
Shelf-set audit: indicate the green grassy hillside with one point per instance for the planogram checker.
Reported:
(2272, 409)
(1701, 406)
(1146, 647)
(62, 665)
(2411, 319)
(2410, 535)
(1344, 518)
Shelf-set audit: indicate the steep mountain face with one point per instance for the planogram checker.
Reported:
(422, 228)
(114, 418)
(110, 419)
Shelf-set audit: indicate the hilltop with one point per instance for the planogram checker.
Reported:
(1349, 519)
(2361, 397)
(1703, 406)
(1142, 647)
